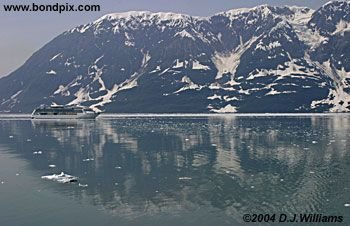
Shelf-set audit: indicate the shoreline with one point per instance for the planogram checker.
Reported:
(183, 115)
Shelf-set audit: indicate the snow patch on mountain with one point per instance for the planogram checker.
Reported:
(63, 90)
(289, 69)
(228, 62)
(270, 46)
(81, 95)
(136, 19)
(342, 27)
(178, 64)
(184, 34)
(215, 96)
(54, 57)
(275, 92)
(228, 98)
(198, 66)
(338, 98)
(227, 109)
(261, 10)
(189, 85)
(16, 94)
(129, 40)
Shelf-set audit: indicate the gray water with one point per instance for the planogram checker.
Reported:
(174, 170)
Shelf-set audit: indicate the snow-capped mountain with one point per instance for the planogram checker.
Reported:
(262, 59)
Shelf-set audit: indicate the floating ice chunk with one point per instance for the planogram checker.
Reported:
(51, 72)
(281, 180)
(312, 172)
(83, 185)
(118, 167)
(185, 178)
(52, 166)
(37, 152)
(17, 174)
(29, 140)
(314, 142)
(347, 204)
(252, 187)
(88, 160)
(2, 182)
(10, 137)
(61, 178)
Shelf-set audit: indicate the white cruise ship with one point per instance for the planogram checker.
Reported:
(63, 112)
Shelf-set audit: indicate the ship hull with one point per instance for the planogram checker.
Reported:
(77, 116)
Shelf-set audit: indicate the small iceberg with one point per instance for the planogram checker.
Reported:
(185, 178)
(61, 178)
(88, 160)
(83, 185)
(37, 152)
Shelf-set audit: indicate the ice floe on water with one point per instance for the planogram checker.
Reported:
(52, 166)
(83, 185)
(37, 152)
(347, 204)
(185, 178)
(88, 160)
(61, 178)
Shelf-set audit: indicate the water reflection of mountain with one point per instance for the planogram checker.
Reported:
(236, 164)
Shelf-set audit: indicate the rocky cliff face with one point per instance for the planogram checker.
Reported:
(263, 59)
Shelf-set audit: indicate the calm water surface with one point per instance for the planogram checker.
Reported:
(208, 170)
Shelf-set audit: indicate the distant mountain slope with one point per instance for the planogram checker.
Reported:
(263, 59)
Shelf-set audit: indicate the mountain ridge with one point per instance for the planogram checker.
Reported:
(262, 59)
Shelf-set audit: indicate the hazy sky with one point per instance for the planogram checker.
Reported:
(24, 33)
